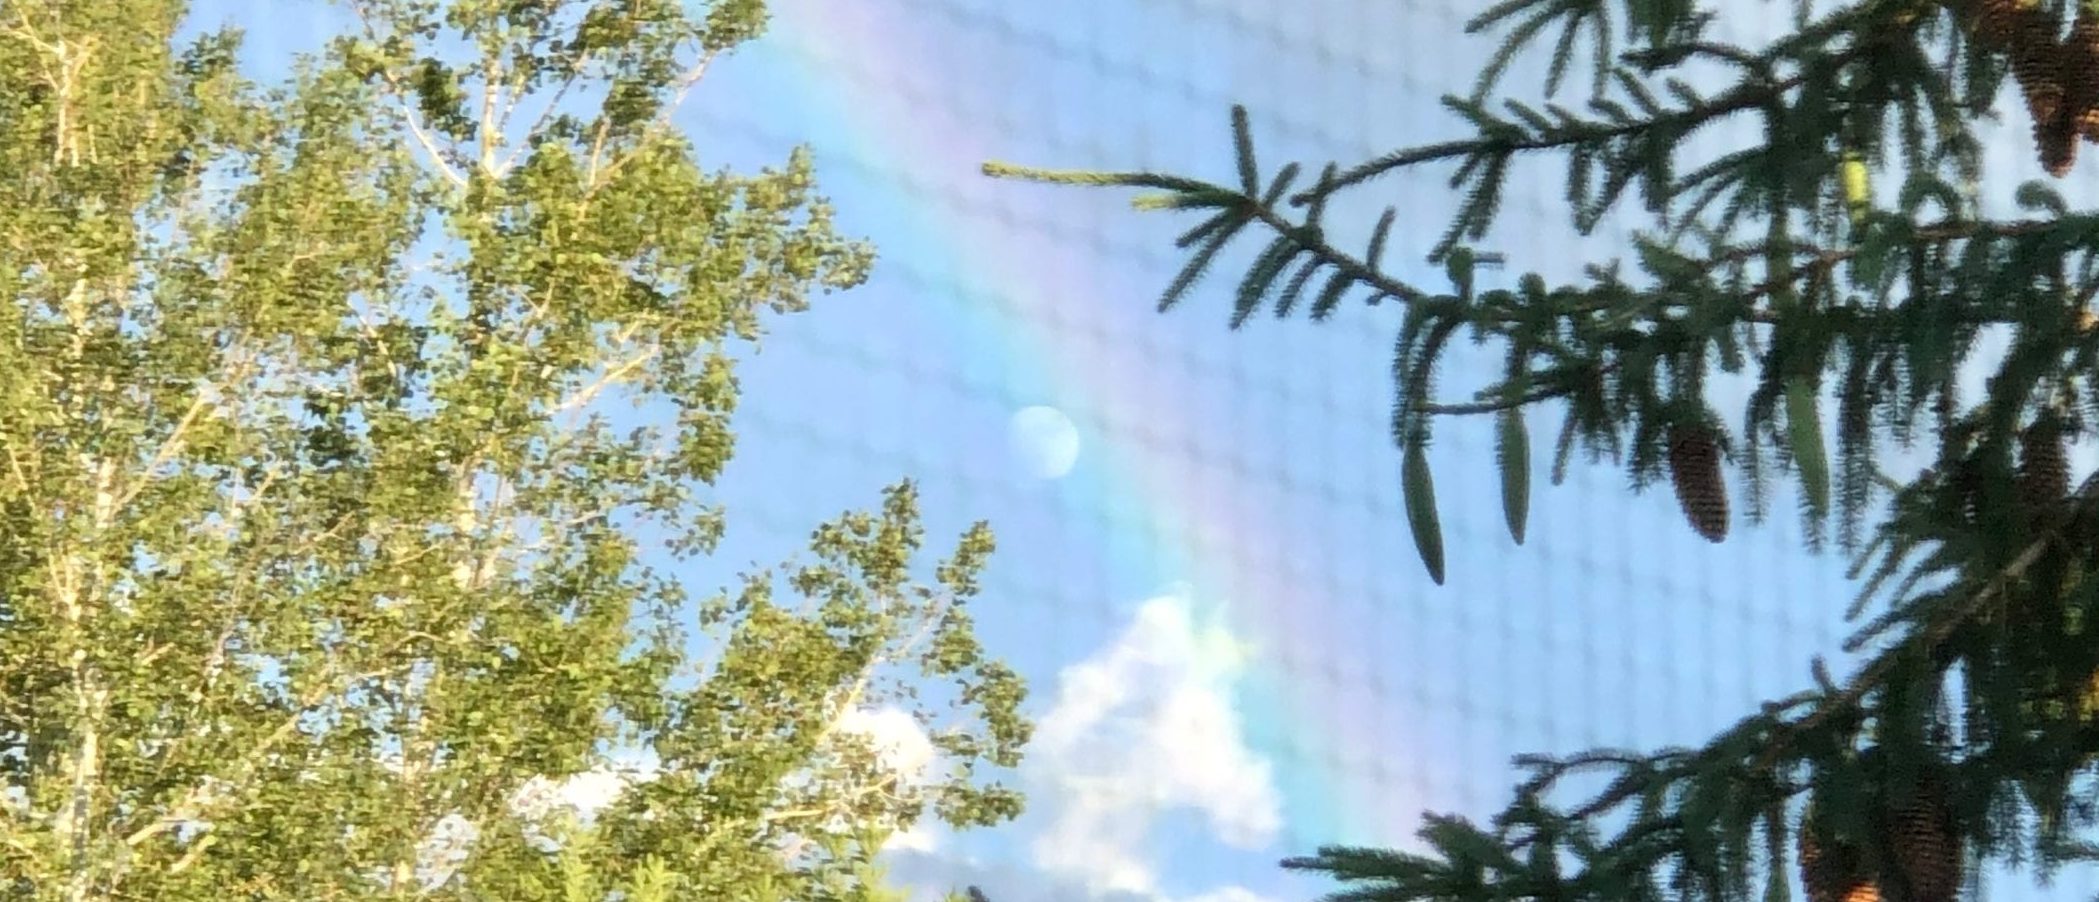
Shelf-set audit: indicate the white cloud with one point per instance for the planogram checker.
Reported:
(922, 837)
(900, 744)
(1142, 728)
(586, 793)
(898, 741)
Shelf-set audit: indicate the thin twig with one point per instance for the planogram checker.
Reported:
(400, 95)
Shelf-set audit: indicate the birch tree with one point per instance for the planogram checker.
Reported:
(351, 432)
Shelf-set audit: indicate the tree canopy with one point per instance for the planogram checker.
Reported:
(351, 432)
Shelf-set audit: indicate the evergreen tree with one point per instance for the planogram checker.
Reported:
(344, 426)
(1967, 733)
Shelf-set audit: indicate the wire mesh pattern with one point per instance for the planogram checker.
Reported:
(1204, 568)
(1613, 626)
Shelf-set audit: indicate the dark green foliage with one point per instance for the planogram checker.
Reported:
(1512, 448)
(1421, 509)
(1774, 260)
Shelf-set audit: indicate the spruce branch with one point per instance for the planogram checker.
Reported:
(1774, 260)
(1600, 338)
(1502, 143)
(1752, 769)
(1505, 404)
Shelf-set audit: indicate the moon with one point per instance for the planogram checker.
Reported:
(1044, 441)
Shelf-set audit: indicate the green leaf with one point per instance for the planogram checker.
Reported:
(1420, 491)
(1923, 187)
(308, 549)
(1330, 296)
(1243, 153)
(1459, 265)
(1295, 288)
(1199, 263)
(1875, 248)
(1804, 433)
(1563, 447)
(1378, 234)
(1209, 227)
(1281, 184)
(1513, 450)
(2040, 197)
(1266, 269)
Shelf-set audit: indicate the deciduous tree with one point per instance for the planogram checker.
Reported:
(351, 432)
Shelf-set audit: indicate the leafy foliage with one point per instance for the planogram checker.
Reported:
(1968, 726)
(323, 537)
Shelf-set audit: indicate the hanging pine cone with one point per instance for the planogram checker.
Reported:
(2055, 139)
(2080, 64)
(2044, 471)
(1998, 24)
(2025, 30)
(2041, 82)
(1832, 871)
(1694, 466)
(1925, 844)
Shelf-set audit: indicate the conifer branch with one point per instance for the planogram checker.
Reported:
(1775, 736)
(1951, 618)
(1880, 303)
(1310, 239)
(1527, 399)
(1746, 97)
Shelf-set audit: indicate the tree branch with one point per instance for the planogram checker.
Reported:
(414, 123)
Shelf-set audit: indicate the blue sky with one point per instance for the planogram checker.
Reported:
(1614, 625)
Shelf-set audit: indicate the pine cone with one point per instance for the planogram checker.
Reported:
(1997, 23)
(1832, 872)
(2087, 122)
(1694, 466)
(2056, 141)
(1927, 849)
(2044, 471)
(2080, 64)
(2045, 69)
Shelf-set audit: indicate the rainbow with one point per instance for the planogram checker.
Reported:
(1169, 528)
(1183, 529)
